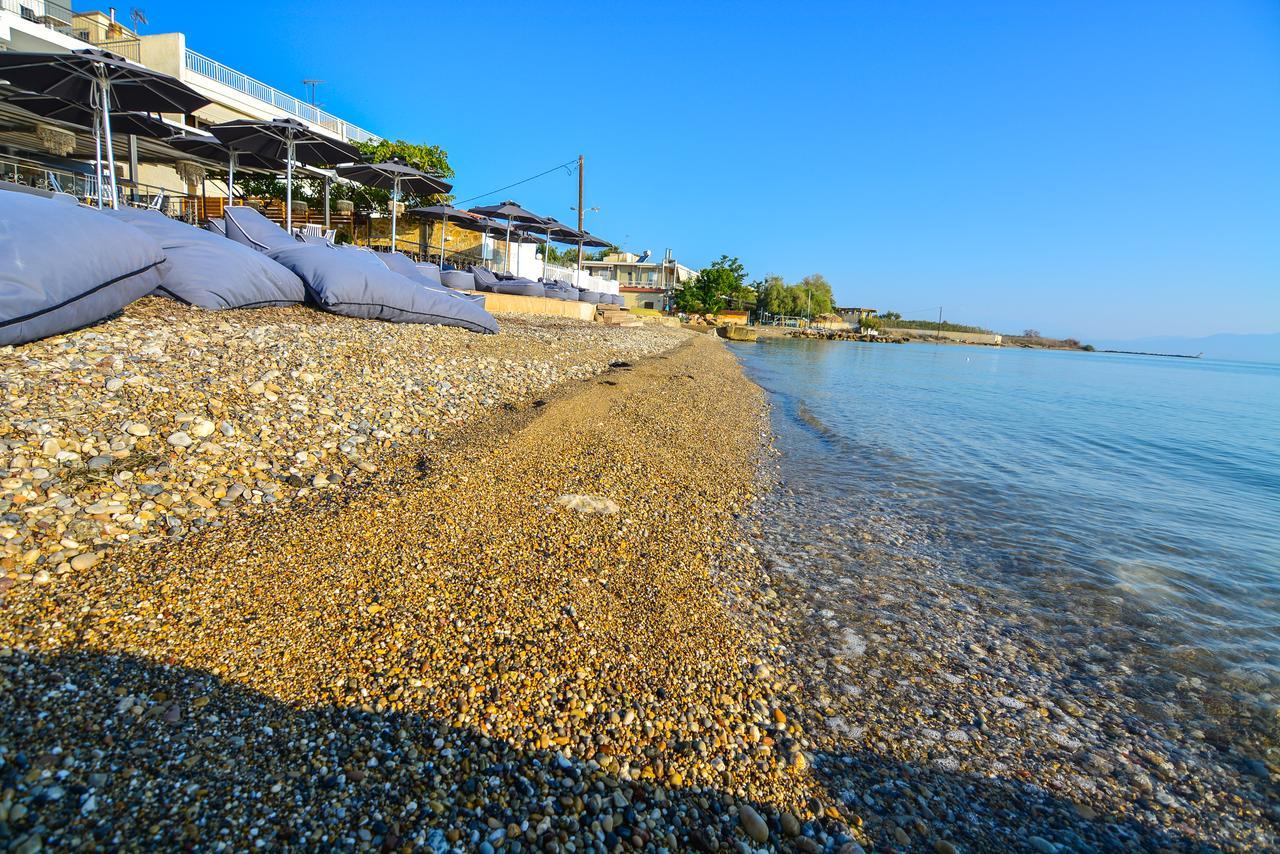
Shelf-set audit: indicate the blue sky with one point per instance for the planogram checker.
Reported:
(1090, 169)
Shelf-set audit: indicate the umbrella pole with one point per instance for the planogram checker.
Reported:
(288, 188)
(106, 132)
(395, 196)
(546, 250)
(97, 156)
(508, 258)
(444, 230)
(326, 202)
(231, 179)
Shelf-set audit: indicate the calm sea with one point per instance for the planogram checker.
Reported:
(1072, 481)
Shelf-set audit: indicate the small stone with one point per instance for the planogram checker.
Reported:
(942, 846)
(138, 429)
(85, 560)
(180, 440)
(202, 428)
(753, 824)
(790, 825)
(1042, 845)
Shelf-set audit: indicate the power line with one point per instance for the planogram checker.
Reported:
(565, 166)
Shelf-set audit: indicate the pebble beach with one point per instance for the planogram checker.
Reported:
(462, 598)
(275, 579)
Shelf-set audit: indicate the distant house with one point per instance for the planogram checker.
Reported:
(642, 283)
(855, 316)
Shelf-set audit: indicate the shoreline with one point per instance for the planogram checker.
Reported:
(455, 652)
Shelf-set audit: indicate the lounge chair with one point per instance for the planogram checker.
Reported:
(487, 281)
(345, 280)
(459, 280)
(425, 275)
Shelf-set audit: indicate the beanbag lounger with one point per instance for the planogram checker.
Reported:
(519, 287)
(459, 280)
(482, 279)
(247, 226)
(426, 275)
(592, 297)
(350, 282)
(65, 266)
(209, 271)
(217, 226)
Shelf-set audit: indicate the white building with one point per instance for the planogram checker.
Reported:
(48, 26)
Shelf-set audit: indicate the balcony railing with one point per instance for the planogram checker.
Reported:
(54, 15)
(229, 77)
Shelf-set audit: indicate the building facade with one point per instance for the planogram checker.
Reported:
(643, 284)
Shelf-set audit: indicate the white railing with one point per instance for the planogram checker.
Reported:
(229, 77)
(54, 15)
(582, 280)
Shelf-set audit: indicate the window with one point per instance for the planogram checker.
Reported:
(648, 304)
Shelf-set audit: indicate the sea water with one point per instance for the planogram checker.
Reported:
(1137, 494)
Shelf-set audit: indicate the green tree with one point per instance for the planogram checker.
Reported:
(772, 295)
(890, 315)
(705, 293)
(814, 295)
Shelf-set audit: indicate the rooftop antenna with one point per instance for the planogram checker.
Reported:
(139, 18)
(311, 84)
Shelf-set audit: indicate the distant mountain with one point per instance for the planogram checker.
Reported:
(1244, 348)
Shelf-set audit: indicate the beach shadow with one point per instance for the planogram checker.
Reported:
(115, 751)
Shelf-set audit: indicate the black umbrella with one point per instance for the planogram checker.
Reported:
(510, 212)
(392, 175)
(103, 81)
(137, 124)
(461, 219)
(558, 232)
(288, 140)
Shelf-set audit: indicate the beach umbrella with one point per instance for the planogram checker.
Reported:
(510, 212)
(205, 145)
(461, 219)
(288, 140)
(560, 233)
(58, 110)
(104, 82)
(394, 175)
(585, 239)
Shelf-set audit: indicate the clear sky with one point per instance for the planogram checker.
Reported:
(1092, 169)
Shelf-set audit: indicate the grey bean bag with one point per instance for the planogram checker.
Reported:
(482, 279)
(518, 286)
(64, 266)
(209, 271)
(354, 283)
(459, 280)
(217, 226)
(592, 297)
(247, 226)
(555, 290)
(426, 275)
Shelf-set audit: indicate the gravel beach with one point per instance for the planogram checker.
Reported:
(502, 635)
(408, 588)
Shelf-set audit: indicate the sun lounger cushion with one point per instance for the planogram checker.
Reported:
(459, 280)
(65, 266)
(350, 282)
(247, 226)
(209, 271)
(482, 279)
(426, 275)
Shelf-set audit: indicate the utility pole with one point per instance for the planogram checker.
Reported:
(312, 84)
(581, 210)
(939, 335)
